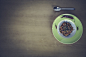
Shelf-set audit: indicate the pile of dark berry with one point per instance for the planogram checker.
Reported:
(66, 28)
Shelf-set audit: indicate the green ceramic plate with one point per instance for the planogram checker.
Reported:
(78, 33)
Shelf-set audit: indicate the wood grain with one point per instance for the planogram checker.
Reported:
(26, 29)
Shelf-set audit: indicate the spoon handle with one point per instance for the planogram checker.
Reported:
(67, 8)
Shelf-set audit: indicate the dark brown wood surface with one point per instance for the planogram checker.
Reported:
(26, 28)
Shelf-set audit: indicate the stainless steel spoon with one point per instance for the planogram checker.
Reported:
(59, 9)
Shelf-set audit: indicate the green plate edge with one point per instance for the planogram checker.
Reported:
(73, 39)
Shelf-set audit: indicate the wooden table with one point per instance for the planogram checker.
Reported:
(26, 29)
